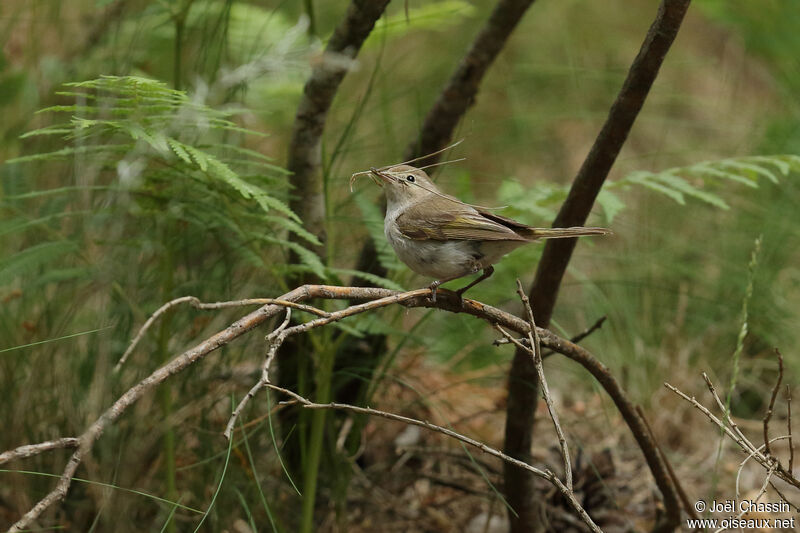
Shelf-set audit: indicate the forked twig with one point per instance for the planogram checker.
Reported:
(197, 304)
(29, 450)
(536, 353)
(750, 456)
(728, 426)
(274, 341)
(576, 339)
(546, 474)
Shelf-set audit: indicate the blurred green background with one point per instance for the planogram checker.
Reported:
(116, 220)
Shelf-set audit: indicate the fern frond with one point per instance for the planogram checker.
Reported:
(695, 180)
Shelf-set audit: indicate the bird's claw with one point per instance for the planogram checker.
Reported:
(434, 287)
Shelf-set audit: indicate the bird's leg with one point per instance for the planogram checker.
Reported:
(435, 285)
(488, 271)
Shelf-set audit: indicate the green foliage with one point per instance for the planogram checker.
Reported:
(166, 148)
(130, 196)
(437, 16)
(127, 193)
(699, 181)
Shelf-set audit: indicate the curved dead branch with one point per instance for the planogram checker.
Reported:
(371, 298)
(522, 383)
(462, 88)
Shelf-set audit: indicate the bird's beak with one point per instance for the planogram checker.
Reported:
(379, 177)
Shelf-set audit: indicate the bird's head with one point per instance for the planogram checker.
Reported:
(404, 184)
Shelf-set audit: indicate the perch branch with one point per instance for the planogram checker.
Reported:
(197, 304)
(372, 298)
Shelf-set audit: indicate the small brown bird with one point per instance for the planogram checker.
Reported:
(440, 236)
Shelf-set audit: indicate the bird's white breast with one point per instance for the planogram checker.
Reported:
(442, 259)
(435, 259)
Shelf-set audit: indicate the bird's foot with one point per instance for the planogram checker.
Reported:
(434, 287)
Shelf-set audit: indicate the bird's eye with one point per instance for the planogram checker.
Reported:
(411, 178)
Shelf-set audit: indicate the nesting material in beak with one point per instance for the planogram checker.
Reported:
(373, 173)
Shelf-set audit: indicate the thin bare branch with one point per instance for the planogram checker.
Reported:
(768, 414)
(769, 462)
(726, 413)
(29, 450)
(536, 353)
(743, 444)
(542, 473)
(197, 304)
(789, 428)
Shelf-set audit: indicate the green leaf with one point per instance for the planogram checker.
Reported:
(680, 184)
(295, 228)
(646, 179)
(199, 157)
(610, 203)
(179, 150)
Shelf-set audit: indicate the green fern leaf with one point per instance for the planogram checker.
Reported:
(646, 179)
(179, 150)
(610, 203)
(680, 184)
(199, 157)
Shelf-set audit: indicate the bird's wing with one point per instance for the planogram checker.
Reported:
(426, 220)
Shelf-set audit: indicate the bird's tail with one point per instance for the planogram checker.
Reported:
(563, 233)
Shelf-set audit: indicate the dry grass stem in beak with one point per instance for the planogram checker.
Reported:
(371, 173)
(374, 172)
